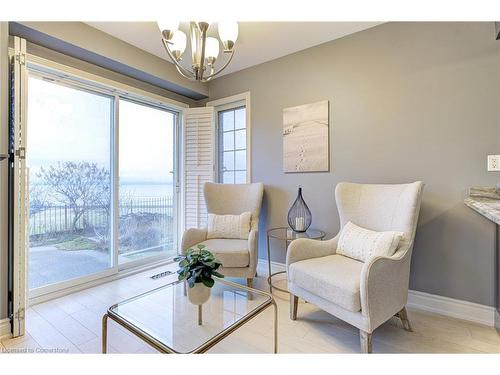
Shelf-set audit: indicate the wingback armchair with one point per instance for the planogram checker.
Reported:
(364, 294)
(238, 257)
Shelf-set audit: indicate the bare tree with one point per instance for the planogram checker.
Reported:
(38, 198)
(80, 185)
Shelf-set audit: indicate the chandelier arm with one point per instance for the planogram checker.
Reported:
(222, 68)
(183, 71)
(210, 75)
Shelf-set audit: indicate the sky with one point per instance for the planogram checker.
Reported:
(66, 124)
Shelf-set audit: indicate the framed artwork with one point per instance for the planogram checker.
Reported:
(306, 138)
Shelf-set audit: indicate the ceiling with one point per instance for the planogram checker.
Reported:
(257, 42)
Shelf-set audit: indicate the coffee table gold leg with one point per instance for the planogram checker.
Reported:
(269, 265)
(275, 327)
(104, 333)
(200, 315)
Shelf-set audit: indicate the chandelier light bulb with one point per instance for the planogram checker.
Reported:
(211, 48)
(228, 33)
(179, 41)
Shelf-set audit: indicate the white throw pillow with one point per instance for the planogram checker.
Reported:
(229, 226)
(363, 244)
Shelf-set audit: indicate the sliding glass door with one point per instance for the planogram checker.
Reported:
(102, 180)
(69, 163)
(147, 182)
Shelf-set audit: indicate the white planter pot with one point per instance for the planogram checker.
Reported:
(199, 294)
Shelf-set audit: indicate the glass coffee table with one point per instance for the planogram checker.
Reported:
(165, 319)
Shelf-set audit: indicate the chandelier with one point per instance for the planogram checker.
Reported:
(204, 49)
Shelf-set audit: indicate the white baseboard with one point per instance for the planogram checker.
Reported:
(5, 332)
(455, 308)
(276, 266)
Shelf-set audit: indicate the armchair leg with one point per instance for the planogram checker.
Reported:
(365, 339)
(250, 285)
(403, 315)
(294, 302)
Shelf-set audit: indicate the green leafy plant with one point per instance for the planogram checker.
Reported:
(198, 266)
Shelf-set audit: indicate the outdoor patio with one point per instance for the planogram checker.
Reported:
(48, 264)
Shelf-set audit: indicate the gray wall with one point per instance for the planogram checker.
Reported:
(408, 101)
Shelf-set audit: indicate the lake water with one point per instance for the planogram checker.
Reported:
(147, 190)
(129, 190)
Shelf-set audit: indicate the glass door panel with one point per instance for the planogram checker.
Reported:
(147, 224)
(68, 157)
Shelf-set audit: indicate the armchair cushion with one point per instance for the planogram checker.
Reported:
(364, 244)
(229, 226)
(335, 278)
(230, 252)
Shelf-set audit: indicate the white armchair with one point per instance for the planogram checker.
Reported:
(363, 294)
(238, 257)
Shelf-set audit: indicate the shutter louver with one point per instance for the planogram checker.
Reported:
(199, 159)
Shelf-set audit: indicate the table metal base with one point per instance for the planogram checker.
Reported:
(271, 285)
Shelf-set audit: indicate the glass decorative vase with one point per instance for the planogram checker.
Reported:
(299, 215)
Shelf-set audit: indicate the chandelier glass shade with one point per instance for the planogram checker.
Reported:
(204, 49)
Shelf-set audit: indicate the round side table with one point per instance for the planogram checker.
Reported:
(287, 235)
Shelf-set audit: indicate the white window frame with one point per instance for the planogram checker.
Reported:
(72, 77)
(232, 102)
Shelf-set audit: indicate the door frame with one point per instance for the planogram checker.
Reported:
(18, 220)
(73, 77)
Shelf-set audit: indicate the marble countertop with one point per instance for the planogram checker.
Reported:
(486, 201)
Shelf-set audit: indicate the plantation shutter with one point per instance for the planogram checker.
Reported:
(199, 162)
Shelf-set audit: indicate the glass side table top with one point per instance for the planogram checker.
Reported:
(286, 233)
(166, 319)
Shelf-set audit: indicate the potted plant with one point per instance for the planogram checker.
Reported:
(197, 267)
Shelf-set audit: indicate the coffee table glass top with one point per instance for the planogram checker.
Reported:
(285, 233)
(166, 316)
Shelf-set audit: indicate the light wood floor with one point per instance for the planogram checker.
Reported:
(73, 323)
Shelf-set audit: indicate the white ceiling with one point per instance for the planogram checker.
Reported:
(257, 42)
